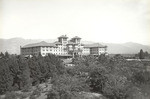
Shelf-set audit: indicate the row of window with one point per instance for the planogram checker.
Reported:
(30, 53)
(102, 49)
(51, 47)
(30, 50)
(52, 50)
(54, 53)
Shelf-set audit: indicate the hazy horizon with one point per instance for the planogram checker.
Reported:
(108, 21)
(82, 40)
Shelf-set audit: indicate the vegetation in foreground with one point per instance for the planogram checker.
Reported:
(114, 78)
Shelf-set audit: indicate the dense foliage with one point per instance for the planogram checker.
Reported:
(113, 77)
(67, 87)
(143, 55)
(17, 72)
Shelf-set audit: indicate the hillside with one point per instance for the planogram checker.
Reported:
(13, 46)
(126, 48)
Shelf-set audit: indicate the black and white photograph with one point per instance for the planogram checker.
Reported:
(74, 49)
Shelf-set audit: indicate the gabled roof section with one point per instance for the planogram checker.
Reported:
(94, 45)
(57, 43)
(40, 44)
(63, 36)
(76, 37)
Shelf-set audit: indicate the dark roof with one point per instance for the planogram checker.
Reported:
(63, 36)
(40, 44)
(69, 42)
(57, 43)
(76, 37)
(94, 45)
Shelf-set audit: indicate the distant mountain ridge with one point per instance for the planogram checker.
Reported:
(13, 45)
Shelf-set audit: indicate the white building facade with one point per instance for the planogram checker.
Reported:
(63, 47)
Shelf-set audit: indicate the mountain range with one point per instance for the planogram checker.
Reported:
(13, 46)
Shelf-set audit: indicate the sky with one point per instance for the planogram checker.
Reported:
(109, 21)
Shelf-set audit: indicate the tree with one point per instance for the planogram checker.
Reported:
(39, 55)
(2, 55)
(42, 68)
(117, 87)
(146, 54)
(5, 77)
(17, 79)
(97, 79)
(6, 54)
(141, 54)
(103, 59)
(26, 80)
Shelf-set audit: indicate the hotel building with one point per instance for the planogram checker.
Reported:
(63, 47)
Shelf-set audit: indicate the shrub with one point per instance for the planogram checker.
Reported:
(24, 95)
(53, 94)
(32, 97)
(67, 87)
(10, 95)
(5, 77)
(97, 80)
(117, 87)
(37, 91)
(141, 77)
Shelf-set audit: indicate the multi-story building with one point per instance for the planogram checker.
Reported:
(63, 47)
(96, 49)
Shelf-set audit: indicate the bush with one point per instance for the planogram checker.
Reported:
(112, 80)
(32, 97)
(23, 96)
(141, 77)
(117, 87)
(67, 87)
(37, 91)
(5, 77)
(27, 88)
(16, 72)
(53, 94)
(97, 79)
(11, 95)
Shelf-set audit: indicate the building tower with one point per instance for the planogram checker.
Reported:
(76, 40)
(63, 39)
(77, 50)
